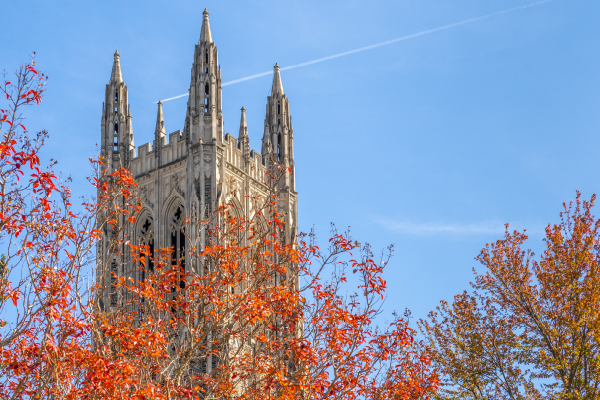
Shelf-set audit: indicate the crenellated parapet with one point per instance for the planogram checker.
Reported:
(175, 149)
(147, 159)
(249, 163)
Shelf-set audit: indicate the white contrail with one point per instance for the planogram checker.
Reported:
(414, 35)
(173, 98)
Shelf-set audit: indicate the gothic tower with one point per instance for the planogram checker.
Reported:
(188, 173)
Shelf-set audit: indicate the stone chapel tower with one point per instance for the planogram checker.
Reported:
(190, 172)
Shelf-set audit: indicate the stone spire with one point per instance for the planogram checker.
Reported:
(277, 126)
(160, 123)
(129, 142)
(205, 35)
(115, 76)
(204, 101)
(277, 85)
(115, 118)
(159, 135)
(243, 137)
(243, 125)
(267, 148)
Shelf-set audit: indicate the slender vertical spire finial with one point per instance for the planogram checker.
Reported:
(266, 141)
(160, 122)
(205, 35)
(243, 125)
(129, 142)
(243, 137)
(115, 76)
(277, 85)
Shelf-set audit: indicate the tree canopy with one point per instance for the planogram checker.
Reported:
(246, 316)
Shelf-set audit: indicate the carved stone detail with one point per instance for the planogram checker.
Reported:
(198, 188)
(175, 186)
(147, 193)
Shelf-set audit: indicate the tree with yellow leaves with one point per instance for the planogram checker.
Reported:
(530, 329)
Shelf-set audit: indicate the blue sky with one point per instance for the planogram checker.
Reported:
(431, 144)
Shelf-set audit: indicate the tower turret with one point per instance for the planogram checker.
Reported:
(204, 119)
(117, 144)
(278, 128)
(278, 148)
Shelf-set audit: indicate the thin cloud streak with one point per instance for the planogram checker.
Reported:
(173, 98)
(373, 46)
(487, 228)
(497, 228)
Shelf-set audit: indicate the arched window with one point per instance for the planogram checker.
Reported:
(145, 236)
(206, 104)
(206, 89)
(279, 144)
(259, 225)
(116, 97)
(278, 108)
(177, 240)
(234, 226)
(207, 197)
(116, 137)
(206, 57)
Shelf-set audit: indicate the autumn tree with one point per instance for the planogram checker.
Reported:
(530, 328)
(249, 316)
(43, 245)
(245, 316)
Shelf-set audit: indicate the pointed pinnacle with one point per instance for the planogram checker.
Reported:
(115, 75)
(205, 35)
(243, 125)
(160, 122)
(277, 85)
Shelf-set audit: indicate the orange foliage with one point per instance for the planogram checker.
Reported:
(247, 316)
